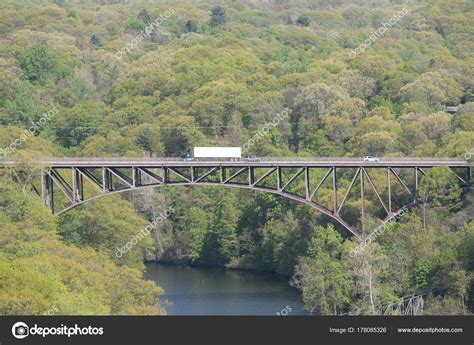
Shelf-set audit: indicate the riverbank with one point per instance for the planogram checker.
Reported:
(194, 290)
(230, 266)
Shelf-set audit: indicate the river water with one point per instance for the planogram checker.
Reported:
(215, 291)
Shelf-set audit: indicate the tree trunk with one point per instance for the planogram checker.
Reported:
(372, 305)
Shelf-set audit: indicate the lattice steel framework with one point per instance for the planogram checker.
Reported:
(70, 181)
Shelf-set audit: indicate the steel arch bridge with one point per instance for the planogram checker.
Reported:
(297, 179)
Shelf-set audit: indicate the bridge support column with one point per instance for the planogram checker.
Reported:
(389, 185)
(306, 182)
(47, 192)
(77, 186)
(362, 199)
(279, 180)
(107, 185)
(416, 183)
(136, 177)
(222, 175)
(334, 190)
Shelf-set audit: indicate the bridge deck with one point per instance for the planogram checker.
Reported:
(263, 162)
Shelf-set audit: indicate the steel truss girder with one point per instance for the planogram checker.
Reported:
(74, 191)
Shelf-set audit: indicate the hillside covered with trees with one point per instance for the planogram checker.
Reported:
(141, 78)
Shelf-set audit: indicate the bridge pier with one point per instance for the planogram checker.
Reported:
(77, 185)
(416, 183)
(47, 190)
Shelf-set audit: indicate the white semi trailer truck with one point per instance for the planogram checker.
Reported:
(232, 153)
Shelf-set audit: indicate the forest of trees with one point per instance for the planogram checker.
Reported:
(141, 78)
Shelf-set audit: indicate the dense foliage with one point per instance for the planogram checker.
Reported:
(41, 275)
(214, 75)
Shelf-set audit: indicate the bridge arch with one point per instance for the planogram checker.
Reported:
(293, 197)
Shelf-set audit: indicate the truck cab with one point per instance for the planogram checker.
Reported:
(187, 156)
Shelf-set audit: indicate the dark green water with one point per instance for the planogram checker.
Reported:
(213, 291)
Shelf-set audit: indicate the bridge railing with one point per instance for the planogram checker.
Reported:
(9, 161)
(401, 159)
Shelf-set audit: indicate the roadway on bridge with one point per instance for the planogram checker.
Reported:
(262, 162)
